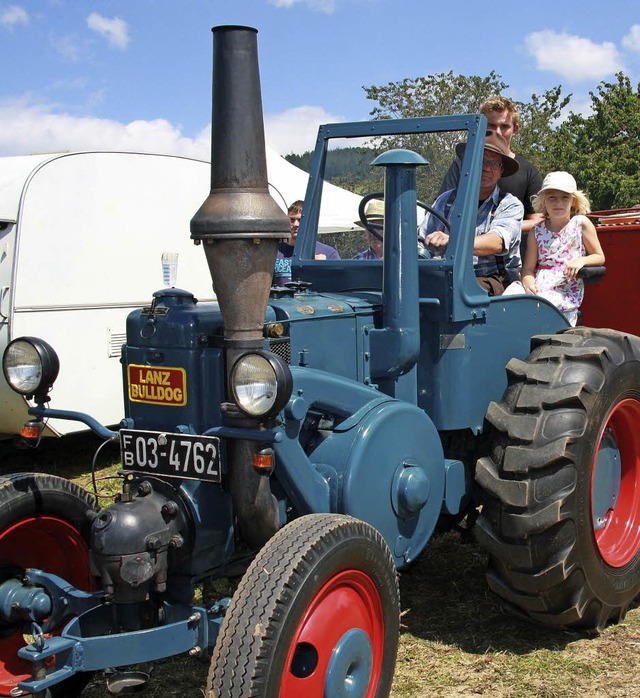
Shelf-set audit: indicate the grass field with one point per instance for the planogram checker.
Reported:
(456, 641)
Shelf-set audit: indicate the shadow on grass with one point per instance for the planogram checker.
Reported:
(445, 599)
(69, 456)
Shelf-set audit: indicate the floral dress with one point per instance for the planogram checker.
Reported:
(554, 251)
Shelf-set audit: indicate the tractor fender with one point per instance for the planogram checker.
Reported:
(392, 474)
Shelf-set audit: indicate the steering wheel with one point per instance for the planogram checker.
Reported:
(376, 228)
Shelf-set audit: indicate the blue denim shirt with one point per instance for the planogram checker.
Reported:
(501, 214)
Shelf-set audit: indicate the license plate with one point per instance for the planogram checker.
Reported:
(171, 455)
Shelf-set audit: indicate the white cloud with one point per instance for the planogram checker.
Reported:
(573, 57)
(12, 15)
(632, 40)
(115, 31)
(326, 6)
(67, 46)
(296, 130)
(27, 126)
(31, 128)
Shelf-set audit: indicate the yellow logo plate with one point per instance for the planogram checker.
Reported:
(157, 386)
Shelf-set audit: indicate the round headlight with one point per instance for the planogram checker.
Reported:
(261, 384)
(30, 366)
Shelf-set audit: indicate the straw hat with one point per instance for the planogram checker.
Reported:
(373, 212)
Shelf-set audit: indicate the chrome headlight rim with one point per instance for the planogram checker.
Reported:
(281, 382)
(45, 366)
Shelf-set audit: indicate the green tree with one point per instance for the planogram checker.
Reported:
(448, 93)
(602, 150)
(431, 95)
(538, 121)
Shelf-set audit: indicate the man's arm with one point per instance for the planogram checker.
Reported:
(487, 244)
(506, 225)
(530, 220)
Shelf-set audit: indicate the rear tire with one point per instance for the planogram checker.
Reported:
(561, 509)
(43, 524)
(317, 613)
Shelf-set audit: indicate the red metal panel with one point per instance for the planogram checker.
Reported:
(613, 302)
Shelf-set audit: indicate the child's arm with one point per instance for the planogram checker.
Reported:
(530, 263)
(594, 256)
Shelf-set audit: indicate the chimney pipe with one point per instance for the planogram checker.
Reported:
(240, 224)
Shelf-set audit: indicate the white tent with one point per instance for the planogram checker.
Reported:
(288, 183)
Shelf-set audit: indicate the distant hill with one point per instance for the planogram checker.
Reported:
(349, 168)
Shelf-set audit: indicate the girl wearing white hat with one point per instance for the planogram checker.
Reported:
(559, 246)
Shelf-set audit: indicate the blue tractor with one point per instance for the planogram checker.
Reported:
(310, 439)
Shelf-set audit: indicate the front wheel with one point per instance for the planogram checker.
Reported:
(316, 614)
(43, 524)
(561, 514)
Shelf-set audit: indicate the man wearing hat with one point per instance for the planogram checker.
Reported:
(374, 214)
(496, 246)
(503, 117)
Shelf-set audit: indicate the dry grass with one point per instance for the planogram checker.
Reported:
(456, 641)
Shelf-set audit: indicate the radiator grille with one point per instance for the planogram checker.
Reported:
(281, 347)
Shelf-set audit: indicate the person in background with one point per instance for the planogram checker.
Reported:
(374, 214)
(496, 245)
(561, 244)
(282, 270)
(503, 117)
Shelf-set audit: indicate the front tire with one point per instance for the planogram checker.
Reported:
(43, 524)
(561, 509)
(317, 613)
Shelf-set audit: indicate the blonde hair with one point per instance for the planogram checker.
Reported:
(579, 203)
(499, 103)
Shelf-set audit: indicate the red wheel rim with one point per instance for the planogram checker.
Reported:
(348, 600)
(50, 544)
(618, 539)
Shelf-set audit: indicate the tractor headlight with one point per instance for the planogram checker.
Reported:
(261, 384)
(30, 366)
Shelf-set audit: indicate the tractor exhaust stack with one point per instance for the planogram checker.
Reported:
(239, 225)
(239, 222)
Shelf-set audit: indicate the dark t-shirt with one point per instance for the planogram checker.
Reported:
(282, 271)
(523, 184)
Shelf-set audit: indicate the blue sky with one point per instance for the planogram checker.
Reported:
(136, 74)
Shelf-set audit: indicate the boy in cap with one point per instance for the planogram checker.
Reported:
(282, 270)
